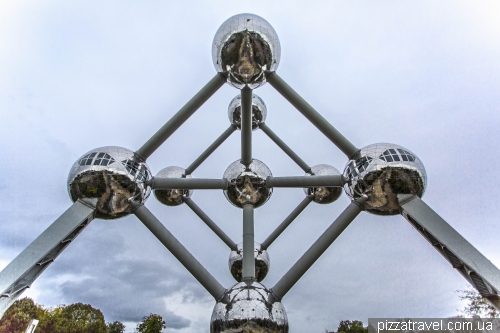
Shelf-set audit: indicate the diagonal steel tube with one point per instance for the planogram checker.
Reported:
(181, 116)
(180, 252)
(464, 257)
(188, 183)
(303, 165)
(211, 224)
(312, 115)
(286, 222)
(306, 181)
(248, 244)
(315, 251)
(227, 133)
(246, 126)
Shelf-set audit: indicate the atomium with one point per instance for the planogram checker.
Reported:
(246, 46)
(259, 112)
(115, 176)
(262, 262)
(387, 174)
(172, 197)
(246, 308)
(324, 195)
(247, 185)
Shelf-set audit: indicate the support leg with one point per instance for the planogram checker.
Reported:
(248, 244)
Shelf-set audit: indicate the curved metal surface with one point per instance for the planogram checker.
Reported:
(259, 112)
(262, 262)
(172, 197)
(323, 195)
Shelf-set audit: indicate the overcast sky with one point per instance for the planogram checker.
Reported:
(80, 75)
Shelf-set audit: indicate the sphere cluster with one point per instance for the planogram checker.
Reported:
(387, 174)
(172, 197)
(114, 176)
(262, 262)
(247, 185)
(248, 310)
(324, 195)
(246, 46)
(259, 112)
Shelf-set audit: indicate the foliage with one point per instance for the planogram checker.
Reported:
(115, 327)
(355, 326)
(74, 318)
(151, 324)
(477, 305)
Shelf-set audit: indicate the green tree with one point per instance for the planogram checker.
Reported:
(151, 324)
(355, 326)
(80, 318)
(115, 327)
(17, 318)
(477, 304)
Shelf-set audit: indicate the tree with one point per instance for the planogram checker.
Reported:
(80, 318)
(477, 304)
(355, 326)
(151, 324)
(17, 318)
(115, 327)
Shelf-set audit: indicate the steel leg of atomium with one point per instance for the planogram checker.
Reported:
(312, 115)
(211, 224)
(315, 251)
(303, 165)
(181, 116)
(29, 264)
(180, 252)
(246, 126)
(188, 183)
(286, 222)
(476, 269)
(248, 244)
(227, 133)
(306, 181)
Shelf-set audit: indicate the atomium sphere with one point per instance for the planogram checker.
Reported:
(247, 185)
(172, 197)
(262, 262)
(259, 112)
(324, 195)
(112, 175)
(248, 310)
(388, 174)
(245, 46)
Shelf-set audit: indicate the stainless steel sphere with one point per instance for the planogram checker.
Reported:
(172, 197)
(387, 174)
(245, 46)
(247, 185)
(259, 112)
(112, 175)
(262, 262)
(324, 195)
(248, 311)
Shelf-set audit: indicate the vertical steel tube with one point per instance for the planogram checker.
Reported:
(180, 252)
(303, 165)
(246, 126)
(289, 219)
(181, 116)
(227, 133)
(211, 224)
(312, 115)
(316, 250)
(248, 244)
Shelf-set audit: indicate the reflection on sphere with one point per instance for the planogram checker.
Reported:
(112, 175)
(262, 262)
(324, 195)
(387, 174)
(172, 197)
(259, 111)
(245, 46)
(247, 185)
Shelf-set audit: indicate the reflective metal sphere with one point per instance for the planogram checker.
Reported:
(114, 176)
(247, 185)
(388, 174)
(262, 262)
(248, 311)
(172, 197)
(259, 112)
(324, 195)
(246, 46)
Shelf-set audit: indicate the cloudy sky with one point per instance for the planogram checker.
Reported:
(422, 74)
